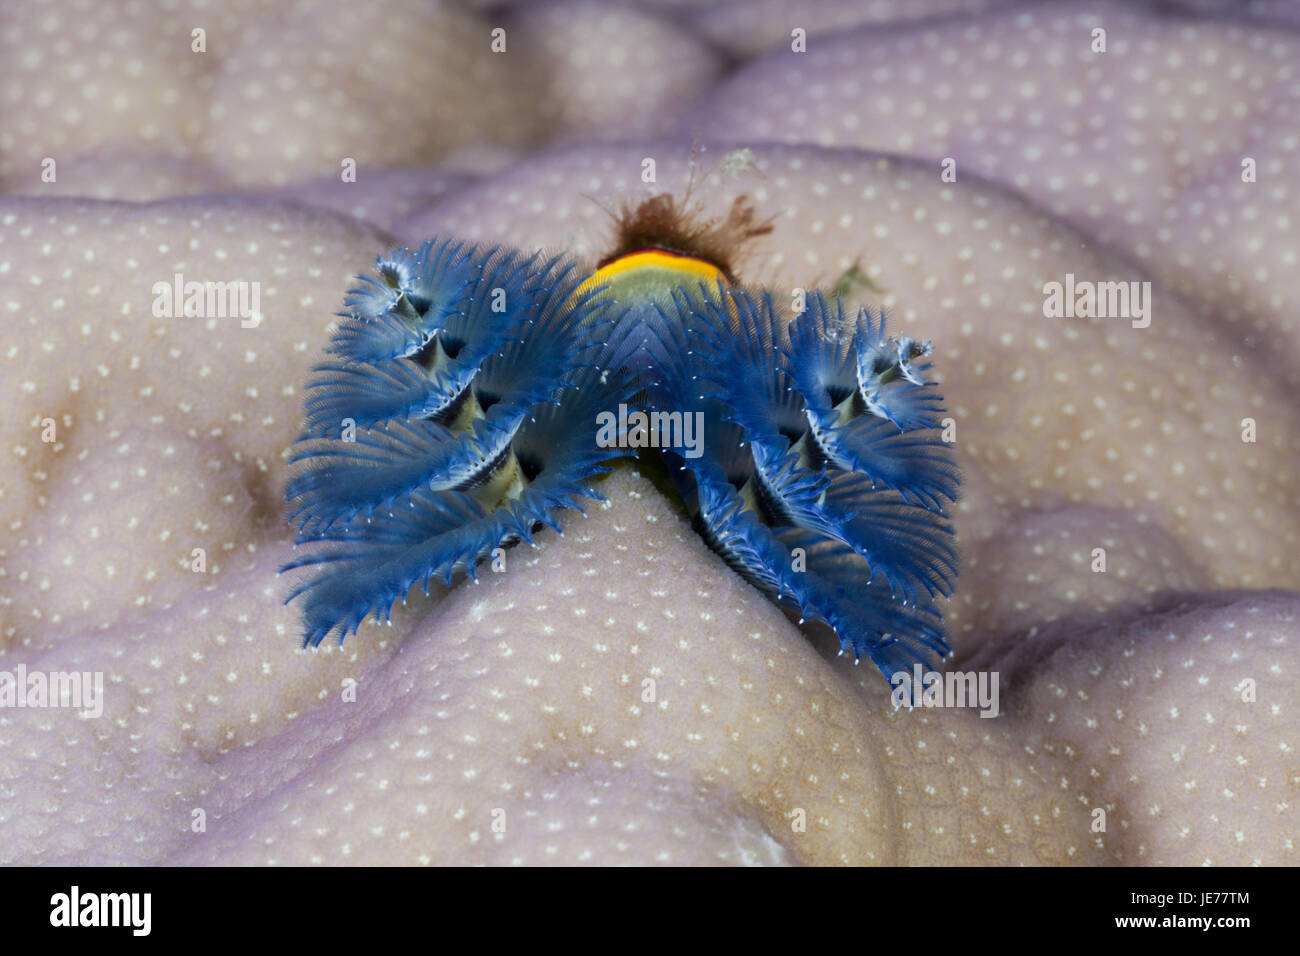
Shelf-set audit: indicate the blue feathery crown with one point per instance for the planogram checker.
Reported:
(459, 414)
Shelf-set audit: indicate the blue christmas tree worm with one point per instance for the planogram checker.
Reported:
(459, 415)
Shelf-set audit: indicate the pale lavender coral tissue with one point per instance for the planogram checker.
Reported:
(1122, 690)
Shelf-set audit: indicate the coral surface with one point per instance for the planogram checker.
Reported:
(618, 693)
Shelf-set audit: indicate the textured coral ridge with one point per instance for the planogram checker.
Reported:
(461, 414)
(525, 691)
